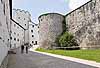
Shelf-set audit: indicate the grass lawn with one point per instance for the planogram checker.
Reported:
(93, 55)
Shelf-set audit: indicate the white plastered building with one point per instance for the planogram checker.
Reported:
(33, 34)
(17, 35)
(22, 18)
(5, 6)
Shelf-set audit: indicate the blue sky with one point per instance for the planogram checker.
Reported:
(38, 7)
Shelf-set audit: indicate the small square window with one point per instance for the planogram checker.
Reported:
(8, 39)
(10, 31)
(25, 24)
(11, 38)
(32, 41)
(32, 35)
(32, 31)
(0, 38)
(32, 25)
(4, 9)
(18, 40)
(15, 39)
(14, 33)
(41, 19)
(35, 42)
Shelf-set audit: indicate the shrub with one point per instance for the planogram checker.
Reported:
(67, 40)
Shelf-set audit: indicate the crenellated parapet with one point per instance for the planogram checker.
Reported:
(22, 17)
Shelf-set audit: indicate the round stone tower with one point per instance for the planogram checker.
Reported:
(50, 27)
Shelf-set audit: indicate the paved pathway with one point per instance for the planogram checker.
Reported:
(37, 60)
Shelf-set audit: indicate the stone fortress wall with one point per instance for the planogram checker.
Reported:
(84, 23)
(50, 26)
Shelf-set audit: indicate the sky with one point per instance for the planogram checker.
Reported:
(39, 7)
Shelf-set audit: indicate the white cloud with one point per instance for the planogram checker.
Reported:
(73, 4)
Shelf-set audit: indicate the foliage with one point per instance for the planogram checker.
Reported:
(57, 41)
(64, 26)
(67, 40)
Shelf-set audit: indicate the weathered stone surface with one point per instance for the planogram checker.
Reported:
(84, 23)
(50, 26)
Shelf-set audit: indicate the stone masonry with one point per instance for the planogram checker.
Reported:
(84, 23)
(50, 26)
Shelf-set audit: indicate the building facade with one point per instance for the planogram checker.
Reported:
(84, 23)
(5, 7)
(17, 35)
(23, 18)
(50, 27)
(33, 34)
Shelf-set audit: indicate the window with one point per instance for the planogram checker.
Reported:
(8, 39)
(11, 38)
(4, 9)
(32, 31)
(33, 26)
(0, 38)
(14, 33)
(10, 31)
(35, 42)
(18, 40)
(24, 18)
(25, 24)
(32, 35)
(41, 19)
(15, 39)
(32, 41)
